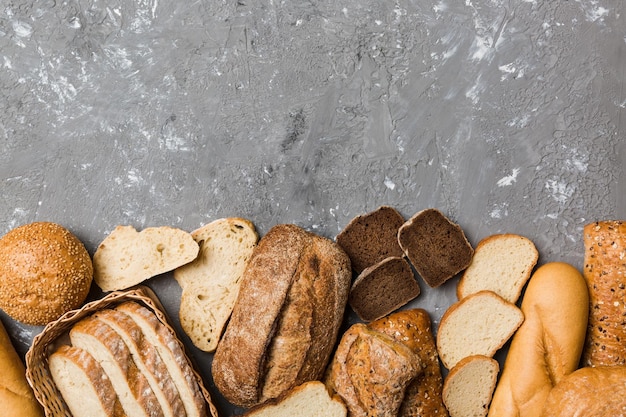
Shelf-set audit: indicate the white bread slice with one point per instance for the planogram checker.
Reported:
(172, 354)
(469, 387)
(127, 257)
(479, 324)
(84, 386)
(502, 264)
(311, 399)
(147, 359)
(210, 284)
(108, 349)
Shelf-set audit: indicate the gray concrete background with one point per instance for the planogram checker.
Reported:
(508, 116)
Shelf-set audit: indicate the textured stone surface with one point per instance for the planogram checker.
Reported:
(508, 116)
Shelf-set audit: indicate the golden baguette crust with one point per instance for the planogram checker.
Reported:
(605, 272)
(548, 345)
(286, 318)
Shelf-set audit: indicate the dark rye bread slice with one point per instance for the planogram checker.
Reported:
(383, 288)
(437, 247)
(370, 238)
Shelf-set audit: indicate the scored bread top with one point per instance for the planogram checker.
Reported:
(502, 263)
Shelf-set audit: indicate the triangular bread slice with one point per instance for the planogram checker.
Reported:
(110, 351)
(479, 324)
(469, 387)
(210, 284)
(171, 352)
(502, 263)
(311, 399)
(127, 257)
(84, 386)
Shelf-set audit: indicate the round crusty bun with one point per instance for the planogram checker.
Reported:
(45, 271)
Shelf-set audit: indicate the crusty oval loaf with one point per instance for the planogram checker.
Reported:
(127, 257)
(590, 392)
(412, 327)
(501, 263)
(604, 272)
(479, 324)
(286, 318)
(548, 345)
(210, 283)
(469, 386)
(84, 386)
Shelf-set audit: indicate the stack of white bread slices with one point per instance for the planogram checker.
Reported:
(122, 361)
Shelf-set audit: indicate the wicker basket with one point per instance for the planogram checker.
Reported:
(45, 343)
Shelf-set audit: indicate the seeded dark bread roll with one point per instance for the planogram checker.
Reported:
(437, 247)
(45, 271)
(605, 273)
(286, 318)
(372, 237)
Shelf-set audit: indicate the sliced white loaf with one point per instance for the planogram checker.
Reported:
(127, 257)
(479, 324)
(468, 388)
(108, 349)
(147, 360)
(83, 384)
(172, 354)
(502, 264)
(310, 399)
(210, 284)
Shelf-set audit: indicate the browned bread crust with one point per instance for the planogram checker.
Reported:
(286, 318)
(605, 263)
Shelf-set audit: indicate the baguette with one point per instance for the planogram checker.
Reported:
(286, 318)
(604, 272)
(548, 345)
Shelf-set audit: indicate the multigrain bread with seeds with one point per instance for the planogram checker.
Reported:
(311, 399)
(605, 275)
(83, 384)
(370, 371)
(369, 238)
(501, 263)
(383, 288)
(210, 283)
(286, 318)
(437, 247)
(479, 324)
(548, 345)
(127, 257)
(468, 388)
(412, 327)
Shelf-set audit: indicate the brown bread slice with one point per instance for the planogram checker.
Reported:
(383, 288)
(372, 237)
(437, 247)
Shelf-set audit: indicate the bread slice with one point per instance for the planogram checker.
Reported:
(502, 264)
(83, 384)
(127, 257)
(372, 237)
(468, 388)
(311, 399)
(383, 288)
(147, 360)
(108, 349)
(172, 354)
(479, 324)
(437, 247)
(210, 284)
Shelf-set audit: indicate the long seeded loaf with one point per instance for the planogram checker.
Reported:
(127, 257)
(84, 386)
(109, 350)
(172, 354)
(479, 324)
(468, 388)
(502, 264)
(210, 284)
